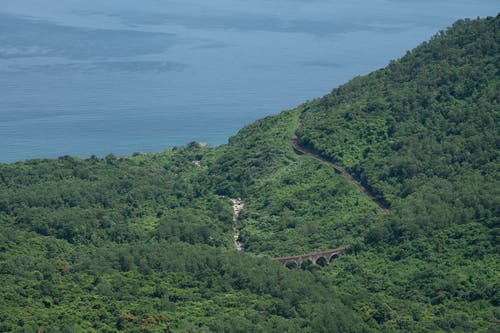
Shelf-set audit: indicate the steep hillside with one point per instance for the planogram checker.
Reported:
(431, 114)
(141, 244)
(145, 243)
(423, 135)
(292, 204)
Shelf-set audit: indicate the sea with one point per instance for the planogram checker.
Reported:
(95, 77)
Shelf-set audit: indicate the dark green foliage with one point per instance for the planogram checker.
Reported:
(423, 135)
(88, 201)
(293, 204)
(140, 244)
(432, 114)
(145, 243)
(256, 152)
(156, 286)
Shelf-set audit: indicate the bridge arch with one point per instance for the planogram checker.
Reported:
(333, 256)
(292, 264)
(322, 261)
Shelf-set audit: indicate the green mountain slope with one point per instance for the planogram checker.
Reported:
(292, 204)
(431, 114)
(423, 135)
(145, 243)
(141, 244)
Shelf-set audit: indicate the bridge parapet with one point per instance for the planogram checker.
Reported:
(313, 258)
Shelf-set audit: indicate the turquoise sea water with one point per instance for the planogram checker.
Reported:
(99, 77)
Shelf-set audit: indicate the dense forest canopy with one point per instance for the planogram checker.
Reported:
(145, 243)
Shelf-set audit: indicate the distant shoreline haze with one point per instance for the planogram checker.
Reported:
(119, 77)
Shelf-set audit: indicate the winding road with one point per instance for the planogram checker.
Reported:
(238, 204)
(304, 151)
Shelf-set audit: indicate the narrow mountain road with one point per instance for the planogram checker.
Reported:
(304, 151)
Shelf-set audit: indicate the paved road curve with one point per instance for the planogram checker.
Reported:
(303, 151)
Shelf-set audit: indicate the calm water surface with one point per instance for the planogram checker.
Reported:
(98, 77)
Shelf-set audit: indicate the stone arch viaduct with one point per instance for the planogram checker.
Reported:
(314, 258)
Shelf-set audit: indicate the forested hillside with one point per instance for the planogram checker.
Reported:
(141, 244)
(145, 243)
(293, 204)
(431, 114)
(423, 135)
